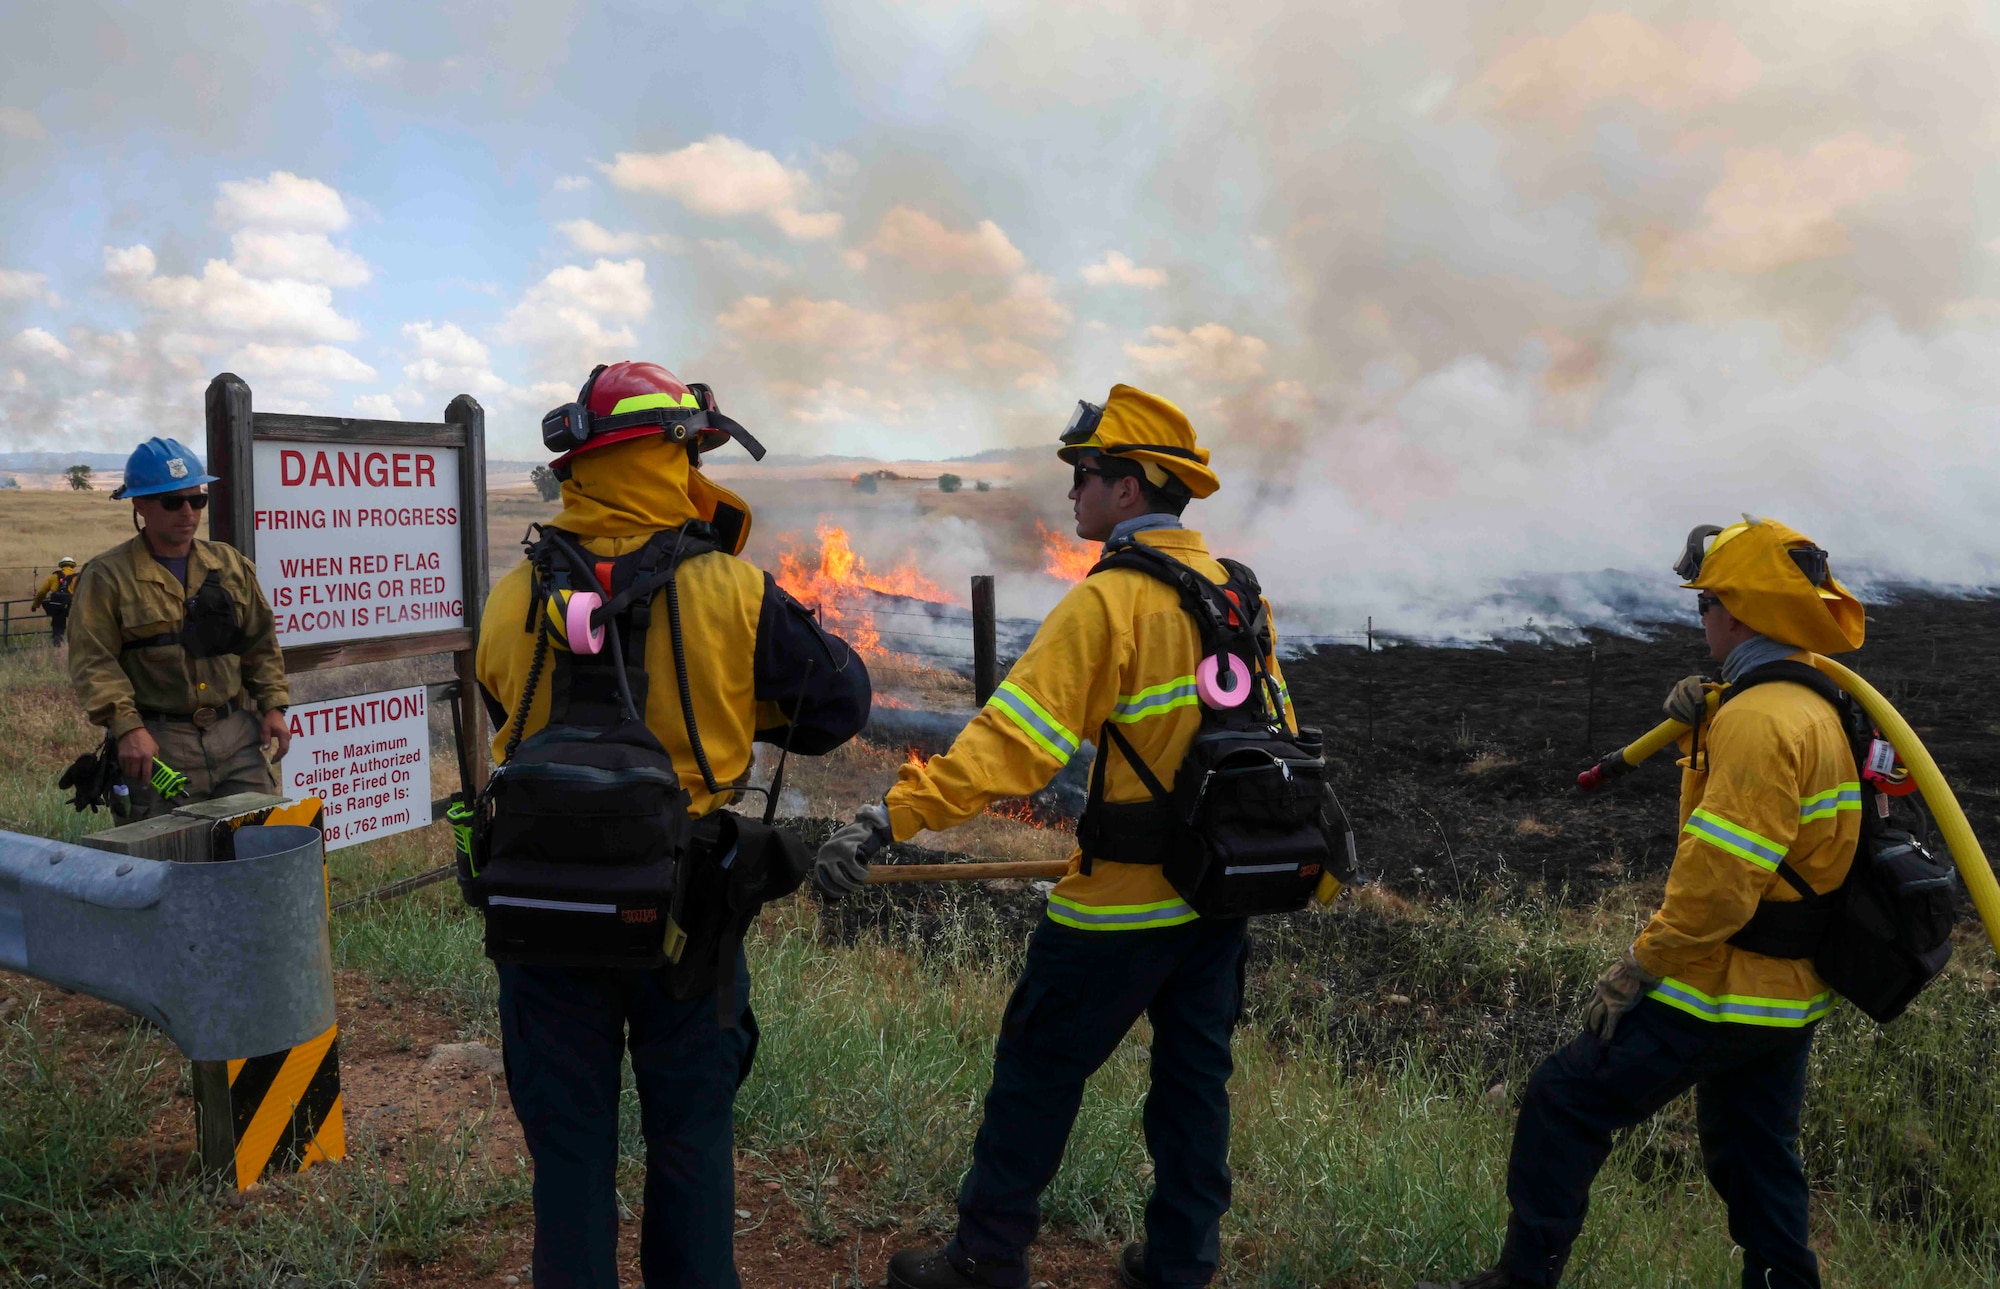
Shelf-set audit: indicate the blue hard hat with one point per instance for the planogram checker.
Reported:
(161, 465)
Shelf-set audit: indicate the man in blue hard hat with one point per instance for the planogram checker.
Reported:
(173, 649)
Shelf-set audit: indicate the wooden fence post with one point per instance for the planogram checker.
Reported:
(473, 750)
(985, 639)
(230, 516)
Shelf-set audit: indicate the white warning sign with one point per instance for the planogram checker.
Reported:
(355, 542)
(368, 758)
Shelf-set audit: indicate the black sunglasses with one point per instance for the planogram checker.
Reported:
(199, 501)
(1080, 476)
(1704, 602)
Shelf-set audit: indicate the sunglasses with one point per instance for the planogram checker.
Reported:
(199, 501)
(1704, 602)
(1080, 476)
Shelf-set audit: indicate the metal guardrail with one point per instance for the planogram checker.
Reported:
(230, 959)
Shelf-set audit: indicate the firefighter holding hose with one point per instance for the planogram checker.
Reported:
(173, 648)
(695, 655)
(1119, 653)
(1718, 993)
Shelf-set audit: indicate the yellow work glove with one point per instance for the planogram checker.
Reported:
(1616, 992)
(1687, 701)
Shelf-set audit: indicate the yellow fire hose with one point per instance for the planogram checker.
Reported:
(1938, 797)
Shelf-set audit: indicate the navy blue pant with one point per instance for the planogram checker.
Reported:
(564, 1032)
(1078, 995)
(1749, 1082)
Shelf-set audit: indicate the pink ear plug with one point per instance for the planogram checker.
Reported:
(583, 637)
(1208, 677)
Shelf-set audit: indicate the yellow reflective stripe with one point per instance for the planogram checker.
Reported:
(1155, 700)
(1034, 720)
(1742, 1009)
(1825, 805)
(1736, 839)
(640, 402)
(1119, 917)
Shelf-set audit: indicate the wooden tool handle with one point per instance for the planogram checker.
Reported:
(884, 873)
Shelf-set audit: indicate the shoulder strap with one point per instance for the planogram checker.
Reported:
(1844, 707)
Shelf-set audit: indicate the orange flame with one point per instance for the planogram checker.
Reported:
(1064, 557)
(833, 579)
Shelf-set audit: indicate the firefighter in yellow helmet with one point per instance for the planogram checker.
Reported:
(54, 596)
(1118, 942)
(711, 661)
(1717, 994)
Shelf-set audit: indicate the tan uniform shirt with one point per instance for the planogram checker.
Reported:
(125, 595)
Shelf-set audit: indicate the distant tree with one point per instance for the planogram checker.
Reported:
(865, 482)
(984, 485)
(9, 481)
(545, 482)
(79, 478)
(950, 483)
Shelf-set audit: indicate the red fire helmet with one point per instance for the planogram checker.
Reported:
(629, 400)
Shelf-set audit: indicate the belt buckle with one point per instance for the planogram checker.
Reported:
(205, 717)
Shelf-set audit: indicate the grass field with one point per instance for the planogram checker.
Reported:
(1369, 1141)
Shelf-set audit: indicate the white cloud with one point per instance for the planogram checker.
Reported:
(377, 407)
(20, 123)
(304, 257)
(566, 314)
(281, 200)
(593, 238)
(369, 63)
(20, 284)
(725, 178)
(445, 357)
(1210, 352)
(299, 364)
(37, 343)
(917, 239)
(571, 183)
(738, 256)
(1117, 269)
(225, 298)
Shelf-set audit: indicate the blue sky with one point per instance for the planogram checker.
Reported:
(1442, 283)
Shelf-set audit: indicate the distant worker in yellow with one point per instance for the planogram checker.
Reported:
(1718, 993)
(1119, 660)
(54, 597)
(173, 649)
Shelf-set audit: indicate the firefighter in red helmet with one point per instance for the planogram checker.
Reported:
(714, 657)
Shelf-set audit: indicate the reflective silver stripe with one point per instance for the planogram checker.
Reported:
(1119, 917)
(1775, 1012)
(559, 906)
(1034, 721)
(1155, 700)
(1260, 868)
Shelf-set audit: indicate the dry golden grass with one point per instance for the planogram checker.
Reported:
(42, 527)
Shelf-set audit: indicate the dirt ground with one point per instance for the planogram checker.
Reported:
(393, 1089)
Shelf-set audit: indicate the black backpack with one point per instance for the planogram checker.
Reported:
(582, 849)
(1250, 823)
(1885, 933)
(59, 597)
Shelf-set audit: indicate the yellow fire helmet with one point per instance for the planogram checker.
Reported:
(1133, 425)
(1775, 580)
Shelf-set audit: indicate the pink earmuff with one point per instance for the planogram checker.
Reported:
(583, 637)
(1208, 678)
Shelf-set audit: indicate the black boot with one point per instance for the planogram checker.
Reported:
(1132, 1266)
(1498, 1278)
(937, 1269)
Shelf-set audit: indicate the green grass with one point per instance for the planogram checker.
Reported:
(1366, 1148)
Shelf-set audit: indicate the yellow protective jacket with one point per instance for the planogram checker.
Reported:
(53, 583)
(124, 596)
(1776, 781)
(748, 644)
(1118, 647)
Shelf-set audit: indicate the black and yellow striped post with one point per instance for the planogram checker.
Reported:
(280, 1111)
